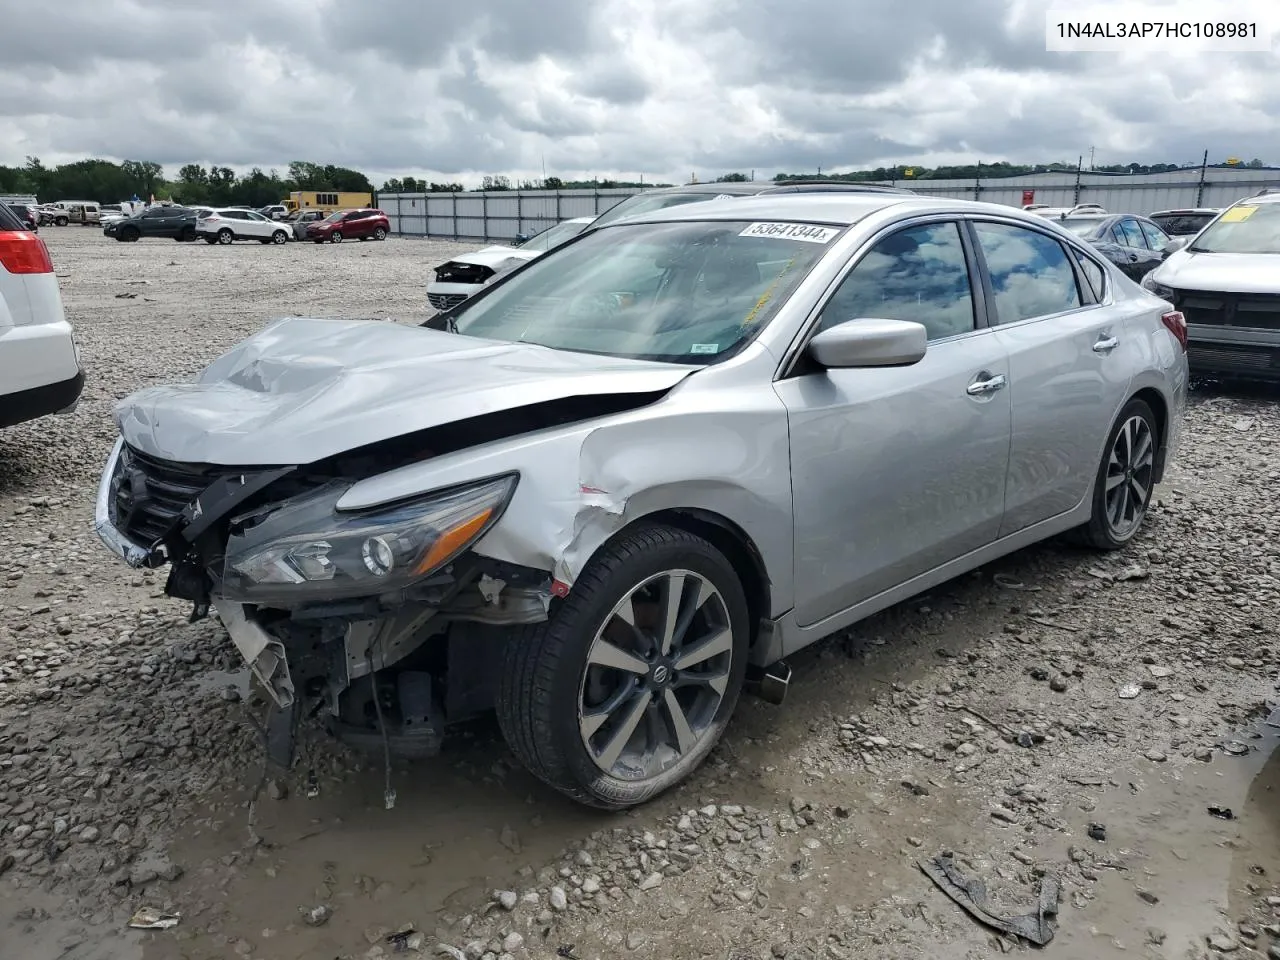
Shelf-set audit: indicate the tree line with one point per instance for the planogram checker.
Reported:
(107, 181)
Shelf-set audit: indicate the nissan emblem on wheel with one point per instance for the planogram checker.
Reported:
(618, 486)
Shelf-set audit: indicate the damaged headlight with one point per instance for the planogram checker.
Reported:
(1150, 284)
(306, 549)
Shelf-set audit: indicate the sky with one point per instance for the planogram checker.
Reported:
(605, 88)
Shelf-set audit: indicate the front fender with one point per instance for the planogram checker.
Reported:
(580, 485)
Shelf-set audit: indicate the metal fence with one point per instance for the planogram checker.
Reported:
(493, 215)
(501, 215)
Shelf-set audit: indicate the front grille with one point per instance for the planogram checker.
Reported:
(445, 301)
(463, 273)
(149, 494)
(1258, 311)
(1223, 359)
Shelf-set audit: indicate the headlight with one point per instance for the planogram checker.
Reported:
(306, 549)
(1159, 289)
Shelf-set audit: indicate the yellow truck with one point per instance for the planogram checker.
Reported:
(320, 200)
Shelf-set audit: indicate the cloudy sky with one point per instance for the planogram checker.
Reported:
(664, 88)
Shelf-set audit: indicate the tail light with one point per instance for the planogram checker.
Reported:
(22, 252)
(1177, 325)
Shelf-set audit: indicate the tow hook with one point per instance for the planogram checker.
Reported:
(770, 683)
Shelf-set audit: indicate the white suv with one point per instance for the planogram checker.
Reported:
(39, 361)
(226, 225)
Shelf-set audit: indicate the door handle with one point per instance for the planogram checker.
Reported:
(982, 387)
(1106, 345)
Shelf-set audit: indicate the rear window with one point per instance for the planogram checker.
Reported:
(648, 203)
(1183, 224)
(8, 221)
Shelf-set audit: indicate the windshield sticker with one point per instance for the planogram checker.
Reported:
(705, 348)
(808, 232)
(1236, 214)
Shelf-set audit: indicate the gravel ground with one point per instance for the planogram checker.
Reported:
(1057, 715)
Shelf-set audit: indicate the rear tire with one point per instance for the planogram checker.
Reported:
(555, 678)
(210, 240)
(225, 235)
(379, 234)
(187, 235)
(1124, 484)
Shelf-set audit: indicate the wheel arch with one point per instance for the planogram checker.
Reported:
(1159, 405)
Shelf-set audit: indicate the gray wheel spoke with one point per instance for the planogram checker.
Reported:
(721, 641)
(1139, 492)
(718, 681)
(671, 617)
(613, 749)
(592, 722)
(1144, 453)
(685, 737)
(605, 654)
(1114, 481)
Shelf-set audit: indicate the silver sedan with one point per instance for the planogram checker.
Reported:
(624, 482)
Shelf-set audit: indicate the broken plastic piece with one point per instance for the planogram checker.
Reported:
(971, 896)
(1222, 813)
(1011, 583)
(149, 918)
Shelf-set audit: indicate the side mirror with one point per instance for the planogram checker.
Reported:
(1174, 245)
(870, 343)
(519, 239)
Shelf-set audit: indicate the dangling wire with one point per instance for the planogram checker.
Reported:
(388, 794)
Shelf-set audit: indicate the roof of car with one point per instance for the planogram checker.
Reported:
(829, 208)
(751, 188)
(1188, 211)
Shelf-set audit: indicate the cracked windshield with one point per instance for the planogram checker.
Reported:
(639, 481)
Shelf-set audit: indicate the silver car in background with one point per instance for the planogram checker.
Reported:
(625, 481)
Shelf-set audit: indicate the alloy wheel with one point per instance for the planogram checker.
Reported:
(1130, 468)
(657, 671)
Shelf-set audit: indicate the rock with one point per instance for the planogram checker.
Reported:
(1058, 684)
(651, 882)
(122, 834)
(1148, 897)
(558, 899)
(1160, 673)
(731, 810)
(1155, 756)
(277, 790)
(583, 859)
(1098, 831)
(90, 835)
(591, 886)
(508, 899)
(1203, 754)
(635, 940)
(512, 942)
(1235, 663)
(509, 839)
(1223, 943)
(316, 916)
(1129, 691)
(966, 750)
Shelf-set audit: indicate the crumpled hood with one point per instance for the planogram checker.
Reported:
(1221, 272)
(305, 389)
(494, 256)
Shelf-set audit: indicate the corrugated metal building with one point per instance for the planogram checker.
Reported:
(501, 215)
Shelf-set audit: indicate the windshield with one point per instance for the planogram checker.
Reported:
(1247, 228)
(1083, 227)
(676, 292)
(335, 216)
(554, 236)
(647, 203)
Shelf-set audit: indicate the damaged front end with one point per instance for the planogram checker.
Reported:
(382, 618)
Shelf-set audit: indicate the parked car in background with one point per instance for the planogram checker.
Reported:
(301, 219)
(39, 361)
(274, 211)
(462, 276)
(112, 212)
(363, 224)
(79, 211)
(176, 223)
(28, 213)
(228, 224)
(1184, 223)
(664, 197)
(1226, 281)
(594, 494)
(51, 215)
(1134, 244)
(1041, 210)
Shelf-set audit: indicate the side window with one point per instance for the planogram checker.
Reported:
(1093, 274)
(1156, 238)
(1030, 273)
(917, 274)
(1132, 234)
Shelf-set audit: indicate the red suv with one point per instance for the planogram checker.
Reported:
(350, 225)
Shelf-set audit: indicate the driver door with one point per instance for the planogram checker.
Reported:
(898, 470)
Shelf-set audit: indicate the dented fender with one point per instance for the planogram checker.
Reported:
(579, 485)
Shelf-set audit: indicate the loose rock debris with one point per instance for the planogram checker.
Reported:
(149, 918)
(971, 896)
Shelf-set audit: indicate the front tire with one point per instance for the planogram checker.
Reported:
(129, 236)
(335, 237)
(1126, 477)
(279, 237)
(628, 686)
(62, 221)
(225, 235)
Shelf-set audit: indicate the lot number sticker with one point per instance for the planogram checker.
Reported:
(1237, 214)
(808, 232)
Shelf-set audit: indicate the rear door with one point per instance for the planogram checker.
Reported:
(256, 225)
(1069, 362)
(357, 224)
(1140, 259)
